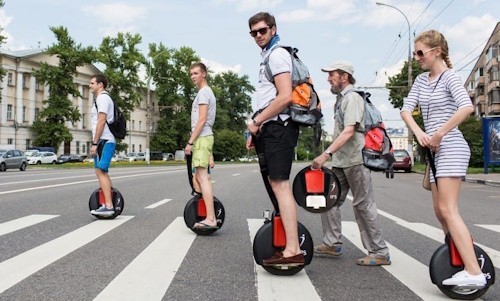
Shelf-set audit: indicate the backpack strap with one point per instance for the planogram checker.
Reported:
(267, 68)
(114, 115)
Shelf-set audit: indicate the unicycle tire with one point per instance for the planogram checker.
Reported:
(263, 248)
(440, 268)
(118, 203)
(191, 215)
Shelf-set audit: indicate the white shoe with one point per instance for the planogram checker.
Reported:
(464, 279)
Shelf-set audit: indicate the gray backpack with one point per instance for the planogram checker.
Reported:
(304, 109)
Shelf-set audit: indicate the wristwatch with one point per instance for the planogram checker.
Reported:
(328, 152)
(255, 122)
(94, 144)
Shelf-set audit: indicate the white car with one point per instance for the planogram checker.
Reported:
(43, 158)
(136, 157)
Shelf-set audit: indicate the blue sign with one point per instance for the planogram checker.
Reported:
(491, 141)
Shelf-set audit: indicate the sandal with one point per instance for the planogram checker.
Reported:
(373, 261)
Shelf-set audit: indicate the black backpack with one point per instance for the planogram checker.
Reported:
(119, 125)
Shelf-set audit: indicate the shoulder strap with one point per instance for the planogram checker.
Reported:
(267, 69)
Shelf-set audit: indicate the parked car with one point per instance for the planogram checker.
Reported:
(136, 157)
(168, 157)
(119, 158)
(249, 159)
(43, 158)
(155, 156)
(30, 153)
(68, 158)
(12, 158)
(403, 160)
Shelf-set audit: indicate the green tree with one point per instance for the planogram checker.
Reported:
(472, 130)
(50, 128)
(122, 59)
(228, 144)
(175, 93)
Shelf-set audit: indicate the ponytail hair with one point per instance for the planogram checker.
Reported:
(433, 38)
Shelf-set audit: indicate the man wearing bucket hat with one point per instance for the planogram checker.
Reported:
(347, 162)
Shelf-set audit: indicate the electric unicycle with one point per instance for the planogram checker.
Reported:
(97, 200)
(446, 261)
(195, 209)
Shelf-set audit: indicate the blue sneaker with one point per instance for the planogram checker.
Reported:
(103, 211)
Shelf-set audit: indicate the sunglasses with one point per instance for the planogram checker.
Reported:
(262, 31)
(421, 53)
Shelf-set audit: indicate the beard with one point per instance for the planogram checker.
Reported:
(335, 89)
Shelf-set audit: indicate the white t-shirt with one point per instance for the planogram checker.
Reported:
(105, 105)
(279, 62)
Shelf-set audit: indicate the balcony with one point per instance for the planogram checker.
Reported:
(480, 99)
(479, 81)
(493, 85)
(494, 109)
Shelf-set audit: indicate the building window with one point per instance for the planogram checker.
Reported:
(140, 147)
(85, 92)
(479, 72)
(28, 143)
(493, 73)
(26, 80)
(492, 52)
(140, 125)
(83, 149)
(77, 147)
(133, 148)
(494, 97)
(38, 85)
(10, 79)
(133, 125)
(10, 141)
(9, 112)
(24, 114)
(84, 121)
(37, 112)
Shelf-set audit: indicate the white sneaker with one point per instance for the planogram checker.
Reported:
(464, 279)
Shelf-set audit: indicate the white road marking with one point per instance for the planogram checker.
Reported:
(24, 222)
(404, 268)
(149, 275)
(273, 287)
(152, 206)
(495, 228)
(21, 266)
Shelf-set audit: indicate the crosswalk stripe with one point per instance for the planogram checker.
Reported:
(152, 206)
(19, 267)
(495, 228)
(272, 287)
(406, 269)
(149, 275)
(24, 222)
(437, 235)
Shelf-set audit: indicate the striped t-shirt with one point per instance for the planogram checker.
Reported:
(439, 100)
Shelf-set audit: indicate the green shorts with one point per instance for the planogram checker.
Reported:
(202, 150)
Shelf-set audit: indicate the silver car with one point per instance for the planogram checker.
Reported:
(13, 158)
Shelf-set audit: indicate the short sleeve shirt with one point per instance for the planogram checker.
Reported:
(353, 107)
(105, 105)
(279, 62)
(205, 96)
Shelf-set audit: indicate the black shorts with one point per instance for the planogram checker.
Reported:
(275, 147)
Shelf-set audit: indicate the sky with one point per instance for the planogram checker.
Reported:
(374, 38)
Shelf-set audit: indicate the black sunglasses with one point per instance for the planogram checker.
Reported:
(421, 53)
(262, 31)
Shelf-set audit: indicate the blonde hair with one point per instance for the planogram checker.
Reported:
(433, 38)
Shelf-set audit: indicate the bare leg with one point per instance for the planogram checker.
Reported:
(208, 195)
(288, 213)
(105, 184)
(446, 207)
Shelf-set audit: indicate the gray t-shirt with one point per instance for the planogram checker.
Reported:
(205, 96)
(353, 107)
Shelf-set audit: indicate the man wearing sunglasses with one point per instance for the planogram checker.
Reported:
(274, 136)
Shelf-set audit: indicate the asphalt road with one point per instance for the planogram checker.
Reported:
(51, 248)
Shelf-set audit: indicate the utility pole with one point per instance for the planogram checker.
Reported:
(410, 80)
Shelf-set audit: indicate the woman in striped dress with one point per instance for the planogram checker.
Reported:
(445, 104)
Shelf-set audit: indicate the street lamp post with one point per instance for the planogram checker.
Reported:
(410, 133)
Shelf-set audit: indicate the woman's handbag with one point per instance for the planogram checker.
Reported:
(426, 183)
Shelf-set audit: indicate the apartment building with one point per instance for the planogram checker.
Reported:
(22, 100)
(483, 83)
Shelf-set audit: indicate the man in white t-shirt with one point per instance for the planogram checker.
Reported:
(274, 135)
(103, 141)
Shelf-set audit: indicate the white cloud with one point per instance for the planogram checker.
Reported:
(118, 17)
(297, 15)
(384, 73)
(4, 22)
(219, 68)
(251, 5)
(322, 10)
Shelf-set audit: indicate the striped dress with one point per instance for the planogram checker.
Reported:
(452, 158)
